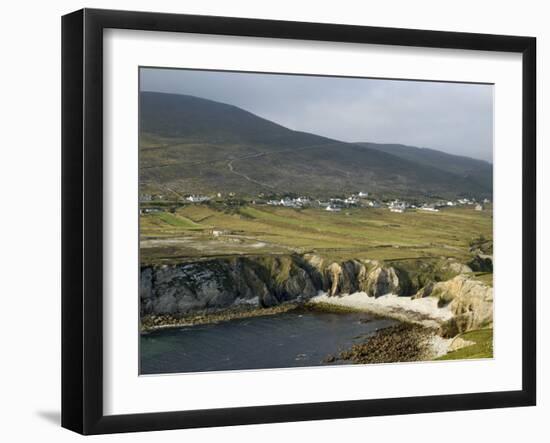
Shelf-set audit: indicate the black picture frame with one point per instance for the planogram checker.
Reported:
(82, 215)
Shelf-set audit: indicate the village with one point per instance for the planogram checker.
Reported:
(150, 203)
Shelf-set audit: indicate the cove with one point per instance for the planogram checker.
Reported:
(286, 340)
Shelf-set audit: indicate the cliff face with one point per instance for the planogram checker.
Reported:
(262, 281)
(470, 301)
(268, 281)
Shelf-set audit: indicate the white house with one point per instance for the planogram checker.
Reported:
(428, 208)
(397, 206)
(197, 198)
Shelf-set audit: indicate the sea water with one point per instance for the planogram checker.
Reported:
(291, 339)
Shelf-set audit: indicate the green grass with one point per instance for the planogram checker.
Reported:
(483, 347)
(361, 233)
(484, 277)
(166, 218)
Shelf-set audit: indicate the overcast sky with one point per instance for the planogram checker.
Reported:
(451, 117)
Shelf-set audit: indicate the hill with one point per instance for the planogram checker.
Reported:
(474, 169)
(193, 145)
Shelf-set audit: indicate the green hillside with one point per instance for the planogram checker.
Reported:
(477, 170)
(192, 145)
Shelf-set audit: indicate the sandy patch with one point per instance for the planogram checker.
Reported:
(423, 311)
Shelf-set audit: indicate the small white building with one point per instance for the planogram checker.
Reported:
(288, 203)
(397, 206)
(332, 208)
(428, 208)
(479, 207)
(373, 204)
(197, 198)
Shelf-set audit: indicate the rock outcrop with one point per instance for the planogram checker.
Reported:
(221, 283)
(384, 280)
(470, 301)
(267, 281)
(262, 281)
(481, 263)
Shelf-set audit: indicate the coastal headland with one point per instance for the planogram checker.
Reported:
(438, 299)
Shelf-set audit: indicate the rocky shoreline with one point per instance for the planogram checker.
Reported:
(411, 340)
(433, 300)
(154, 322)
(406, 342)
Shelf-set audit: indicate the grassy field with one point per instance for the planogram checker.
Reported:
(203, 230)
(483, 347)
(485, 277)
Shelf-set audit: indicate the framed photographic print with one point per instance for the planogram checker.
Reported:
(269, 221)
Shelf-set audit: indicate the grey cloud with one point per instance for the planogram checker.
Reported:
(452, 117)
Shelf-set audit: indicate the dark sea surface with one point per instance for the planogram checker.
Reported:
(285, 340)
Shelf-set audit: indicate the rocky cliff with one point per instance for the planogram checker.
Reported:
(470, 301)
(263, 281)
(267, 281)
